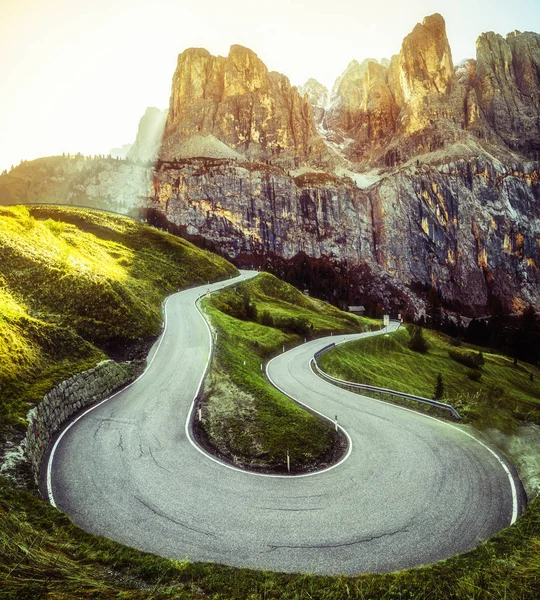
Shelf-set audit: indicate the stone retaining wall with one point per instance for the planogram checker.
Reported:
(69, 397)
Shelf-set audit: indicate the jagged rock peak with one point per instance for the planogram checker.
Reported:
(237, 102)
(317, 93)
(507, 85)
(426, 60)
(348, 87)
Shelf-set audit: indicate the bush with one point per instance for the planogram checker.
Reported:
(298, 325)
(473, 360)
(265, 318)
(417, 342)
(474, 374)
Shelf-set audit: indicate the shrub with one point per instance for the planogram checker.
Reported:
(55, 227)
(474, 374)
(265, 318)
(298, 325)
(473, 360)
(417, 342)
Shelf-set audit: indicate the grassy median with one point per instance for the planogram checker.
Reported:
(246, 419)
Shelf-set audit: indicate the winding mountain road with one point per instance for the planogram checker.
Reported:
(412, 490)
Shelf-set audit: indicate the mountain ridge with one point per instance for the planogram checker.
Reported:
(421, 173)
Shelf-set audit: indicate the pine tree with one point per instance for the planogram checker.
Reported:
(439, 388)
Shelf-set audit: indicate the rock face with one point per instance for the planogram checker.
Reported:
(471, 228)
(317, 96)
(149, 135)
(316, 92)
(363, 110)
(507, 88)
(239, 103)
(424, 74)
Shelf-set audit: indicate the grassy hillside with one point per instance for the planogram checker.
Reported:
(497, 393)
(43, 555)
(245, 418)
(75, 284)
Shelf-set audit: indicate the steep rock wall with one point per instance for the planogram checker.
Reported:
(471, 228)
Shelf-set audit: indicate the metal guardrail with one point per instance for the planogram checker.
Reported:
(322, 350)
(371, 388)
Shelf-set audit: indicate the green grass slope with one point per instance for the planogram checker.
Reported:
(76, 283)
(504, 394)
(245, 418)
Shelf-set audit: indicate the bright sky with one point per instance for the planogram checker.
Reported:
(77, 75)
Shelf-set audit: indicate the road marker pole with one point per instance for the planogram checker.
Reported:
(283, 348)
(288, 461)
(199, 413)
(335, 421)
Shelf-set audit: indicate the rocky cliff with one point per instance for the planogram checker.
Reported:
(469, 227)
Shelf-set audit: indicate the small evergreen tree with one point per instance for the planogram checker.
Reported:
(439, 388)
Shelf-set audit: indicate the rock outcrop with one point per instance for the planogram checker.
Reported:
(149, 135)
(317, 96)
(236, 101)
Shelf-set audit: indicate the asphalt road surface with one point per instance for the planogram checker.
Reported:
(413, 489)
